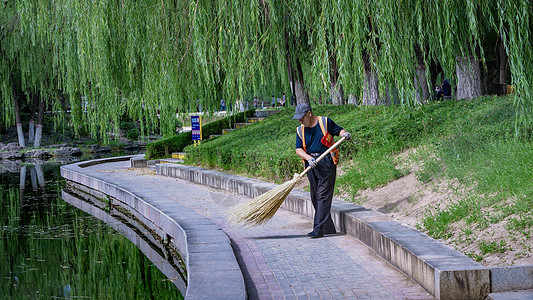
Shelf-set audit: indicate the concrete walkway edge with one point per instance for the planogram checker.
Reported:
(200, 242)
(441, 270)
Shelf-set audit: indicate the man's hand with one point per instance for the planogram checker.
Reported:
(312, 162)
(347, 135)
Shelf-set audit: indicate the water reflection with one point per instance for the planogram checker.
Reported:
(153, 245)
(50, 249)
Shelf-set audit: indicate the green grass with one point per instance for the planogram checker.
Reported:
(471, 142)
(493, 247)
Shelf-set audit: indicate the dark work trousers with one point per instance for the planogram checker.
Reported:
(322, 183)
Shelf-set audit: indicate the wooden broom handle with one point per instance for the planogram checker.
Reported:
(323, 155)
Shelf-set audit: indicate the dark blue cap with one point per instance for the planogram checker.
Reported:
(301, 110)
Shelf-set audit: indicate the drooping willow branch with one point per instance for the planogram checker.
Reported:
(138, 58)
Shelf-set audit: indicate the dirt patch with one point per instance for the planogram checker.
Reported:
(405, 199)
(408, 200)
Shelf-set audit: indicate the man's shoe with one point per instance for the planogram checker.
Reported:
(314, 235)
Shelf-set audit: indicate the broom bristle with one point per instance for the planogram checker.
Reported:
(263, 207)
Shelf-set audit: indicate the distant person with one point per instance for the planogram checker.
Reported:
(198, 106)
(222, 105)
(273, 101)
(282, 100)
(445, 90)
(293, 102)
(256, 103)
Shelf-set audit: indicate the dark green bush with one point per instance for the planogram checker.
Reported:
(166, 147)
(126, 126)
(133, 134)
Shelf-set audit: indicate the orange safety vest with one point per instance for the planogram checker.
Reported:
(323, 121)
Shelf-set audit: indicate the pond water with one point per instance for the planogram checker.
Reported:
(51, 249)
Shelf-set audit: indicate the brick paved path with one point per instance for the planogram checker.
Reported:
(278, 260)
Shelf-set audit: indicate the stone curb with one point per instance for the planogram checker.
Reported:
(441, 270)
(513, 278)
(205, 248)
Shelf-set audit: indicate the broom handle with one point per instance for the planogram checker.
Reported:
(323, 155)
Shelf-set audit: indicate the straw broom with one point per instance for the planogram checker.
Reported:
(263, 207)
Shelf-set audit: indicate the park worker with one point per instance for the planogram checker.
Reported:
(313, 137)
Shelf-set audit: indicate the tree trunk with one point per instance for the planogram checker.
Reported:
(295, 75)
(337, 94)
(385, 100)
(40, 175)
(352, 99)
(38, 136)
(370, 89)
(22, 186)
(20, 133)
(300, 92)
(39, 131)
(421, 85)
(468, 78)
(33, 176)
(299, 85)
(22, 183)
(289, 68)
(391, 96)
(31, 129)
(503, 63)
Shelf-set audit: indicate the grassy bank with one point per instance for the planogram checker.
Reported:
(468, 143)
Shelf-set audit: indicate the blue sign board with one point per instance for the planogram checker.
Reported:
(196, 126)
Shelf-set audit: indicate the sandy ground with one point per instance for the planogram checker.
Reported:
(408, 200)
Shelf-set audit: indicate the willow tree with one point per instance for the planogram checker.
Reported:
(279, 48)
(515, 23)
(361, 47)
(9, 28)
(377, 50)
(452, 38)
(150, 59)
(126, 58)
(27, 65)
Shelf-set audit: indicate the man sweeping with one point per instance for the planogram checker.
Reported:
(313, 137)
(314, 144)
